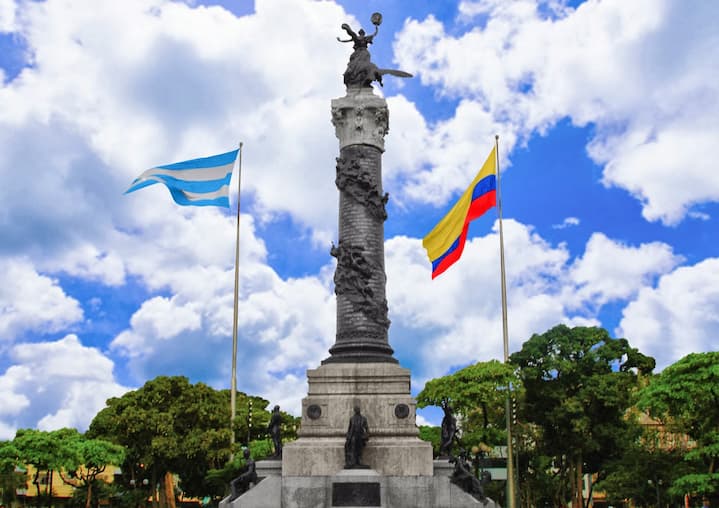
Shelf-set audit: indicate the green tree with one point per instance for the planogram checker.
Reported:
(172, 426)
(477, 394)
(431, 435)
(11, 478)
(685, 398)
(42, 450)
(83, 460)
(578, 385)
(642, 474)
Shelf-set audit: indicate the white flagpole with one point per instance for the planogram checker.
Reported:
(233, 381)
(511, 499)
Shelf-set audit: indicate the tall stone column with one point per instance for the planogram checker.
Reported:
(361, 121)
(360, 371)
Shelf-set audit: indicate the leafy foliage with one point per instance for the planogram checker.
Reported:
(83, 460)
(432, 435)
(578, 385)
(685, 397)
(168, 425)
(10, 479)
(477, 394)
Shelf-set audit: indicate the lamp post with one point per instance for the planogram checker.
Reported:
(249, 423)
(657, 483)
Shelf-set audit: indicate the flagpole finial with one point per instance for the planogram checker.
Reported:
(496, 136)
(240, 144)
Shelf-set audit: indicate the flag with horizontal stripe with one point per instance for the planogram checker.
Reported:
(445, 243)
(197, 182)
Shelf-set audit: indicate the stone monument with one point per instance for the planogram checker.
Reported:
(361, 373)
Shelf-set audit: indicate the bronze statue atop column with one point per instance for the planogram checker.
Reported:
(360, 69)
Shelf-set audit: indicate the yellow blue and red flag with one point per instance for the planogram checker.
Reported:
(197, 182)
(445, 243)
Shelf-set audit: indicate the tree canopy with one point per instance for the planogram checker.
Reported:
(578, 385)
(685, 398)
(477, 393)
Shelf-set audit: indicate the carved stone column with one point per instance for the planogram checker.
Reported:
(361, 121)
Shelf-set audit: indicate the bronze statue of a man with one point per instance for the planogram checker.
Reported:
(357, 436)
(275, 428)
(248, 475)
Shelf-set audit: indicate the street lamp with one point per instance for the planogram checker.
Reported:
(249, 423)
(657, 484)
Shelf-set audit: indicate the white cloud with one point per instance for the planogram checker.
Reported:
(88, 262)
(679, 316)
(567, 222)
(456, 318)
(7, 15)
(137, 92)
(285, 326)
(55, 384)
(653, 99)
(450, 153)
(699, 215)
(30, 301)
(609, 270)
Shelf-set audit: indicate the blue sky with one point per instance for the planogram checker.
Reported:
(606, 112)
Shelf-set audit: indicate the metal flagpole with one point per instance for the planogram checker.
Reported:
(511, 503)
(233, 381)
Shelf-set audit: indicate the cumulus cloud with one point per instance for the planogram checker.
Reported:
(55, 384)
(456, 318)
(30, 301)
(653, 100)
(678, 316)
(609, 270)
(566, 223)
(7, 15)
(285, 325)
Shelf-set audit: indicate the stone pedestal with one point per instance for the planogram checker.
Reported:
(364, 487)
(382, 392)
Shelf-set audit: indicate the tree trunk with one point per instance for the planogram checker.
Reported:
(169, 484)
(36, 482)
(579, 482)
(155, 503)
(88, 501)
(49, 489)
(591, 491)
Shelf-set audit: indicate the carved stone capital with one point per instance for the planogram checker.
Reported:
(360, 118)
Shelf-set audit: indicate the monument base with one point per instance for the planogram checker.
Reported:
(359, 487)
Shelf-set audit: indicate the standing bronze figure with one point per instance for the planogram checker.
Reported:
(275, 428)
(449, 431)
(357, 436)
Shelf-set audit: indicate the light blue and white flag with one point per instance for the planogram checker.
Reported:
(197, 182)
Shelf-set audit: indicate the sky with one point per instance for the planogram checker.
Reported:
(606, 113)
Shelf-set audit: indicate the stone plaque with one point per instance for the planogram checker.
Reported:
(314, 412)
(356, 494)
